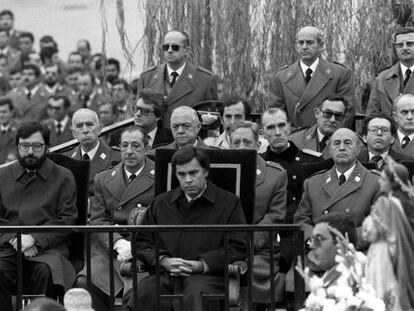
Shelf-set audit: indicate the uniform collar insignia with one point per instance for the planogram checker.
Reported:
(258, 171)
(328, 180)
(152, 172)
(103, 156)
(357, 178)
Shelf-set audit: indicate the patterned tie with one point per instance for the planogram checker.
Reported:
(174, 78)
(407, 76)
(405, 141)
(377, 160)
(342, 179)
(86, 157)
(131, 178)
(308, 75)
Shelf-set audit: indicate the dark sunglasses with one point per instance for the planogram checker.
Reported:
(174, 47)
(144, 111)
(327, 114)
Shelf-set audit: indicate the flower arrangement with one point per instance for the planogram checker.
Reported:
(350, 291)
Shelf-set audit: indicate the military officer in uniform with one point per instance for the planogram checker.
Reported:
(330, 115)
(348, 187)
(404, 117)
(181, 83)
(118, 190)
(302, 86)
(8, 128)
(276, 129)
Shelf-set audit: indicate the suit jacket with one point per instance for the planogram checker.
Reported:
(93, 103)
(101, 161)
(308, 139)
(162, 137)
(114, 200)
(7, 141)
(323, 194)
(408, 150)
(387, 86)
(46, 199)
(364, 156)
(194, 85)
(13, 56)
(33, 109)
(299, 100)
(64, 136)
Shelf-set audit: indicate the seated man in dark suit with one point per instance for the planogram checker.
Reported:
(379, 134)
(191, 262)
(35, 192)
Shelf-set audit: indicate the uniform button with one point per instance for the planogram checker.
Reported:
(294, 177)
(325, 212)
(347, 210)
(119, 208)
(294, 198)
(297, 159)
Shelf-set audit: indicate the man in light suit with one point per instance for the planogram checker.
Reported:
(181, 83)
(396, 80)
(404, 117)
(86, 129)
(118, 190)
(347, 188)
(330, 115)
(302, 86)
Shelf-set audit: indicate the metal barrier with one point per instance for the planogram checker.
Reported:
(295, 230)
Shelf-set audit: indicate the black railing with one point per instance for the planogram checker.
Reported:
(294, 230)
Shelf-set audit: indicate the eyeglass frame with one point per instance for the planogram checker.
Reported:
(144, 111)
(400, 45)
(327, 114)
(375, 129)
(174, 47)
(36, 147)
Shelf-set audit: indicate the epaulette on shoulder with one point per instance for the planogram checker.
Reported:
(340, 64)
(205, 71)
(312, 153)
(281, 68)
(274, 165)
(317, 173)
(376, 172)
(115, 148)
(149, 69)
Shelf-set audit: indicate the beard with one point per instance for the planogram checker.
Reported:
(30, 162)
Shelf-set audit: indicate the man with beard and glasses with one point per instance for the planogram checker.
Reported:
(35, 192)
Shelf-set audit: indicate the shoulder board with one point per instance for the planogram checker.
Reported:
(299, 130)
(281, 68)
(376, 172)
(115, 148)
(274, 165)
(149, 69)
(340, 64)
(312, 152)
(205, 71)
(317, 173)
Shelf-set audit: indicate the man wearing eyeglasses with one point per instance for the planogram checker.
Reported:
(181, 83)
(379, 132)
(330, 115)
(302, 86)
(118, 190)
(396, 80)
(35, 192)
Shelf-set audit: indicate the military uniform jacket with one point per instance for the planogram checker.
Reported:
(64, 136)
(194, 85)
(101, 161)
(291, 160)
(114, 200)
(323, 194)
(46, 199)
(388, 85)
(408, 150)
(33, 109)
(7, 141)
(364, 156)
(308, 139)
(299, 100)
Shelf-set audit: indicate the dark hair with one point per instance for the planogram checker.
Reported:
(368, 119)
(27, 34)
(234, 101)
(48, 39)
(342, 223)
(32, 67)
(113, 61)
(14, 71)
(27, 129)
(44, 304)
(88, 45)
(66, 100)
(7, 101)
(47, 52)
(124, 83)
(334, 98)
(7, 12)
(187, 153)
(134, 128)
(402, 31)
(155, 99)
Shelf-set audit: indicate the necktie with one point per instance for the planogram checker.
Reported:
(405, 141)
(308, 75)
(59, 128)
(378, 161)
(342, 179)
(407, 76)
(174, 78)
(322, 143)
(29, 95)
(86, 157)
(132, 177)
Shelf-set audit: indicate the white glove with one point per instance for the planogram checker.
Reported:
(123, 248)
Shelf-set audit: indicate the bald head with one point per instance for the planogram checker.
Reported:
(309, 43)
(344, 147)
(312, 31)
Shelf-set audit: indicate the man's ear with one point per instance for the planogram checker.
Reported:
(392, 139)
(364, 138)
(316, 112)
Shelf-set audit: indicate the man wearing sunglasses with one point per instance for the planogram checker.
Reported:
(330, 115)
(181, 83)
(396, 80)
(302, 86)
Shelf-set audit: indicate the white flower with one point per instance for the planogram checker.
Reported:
(314, 302)
(315, 283)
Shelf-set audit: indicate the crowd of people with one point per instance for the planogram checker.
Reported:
(354, 188)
